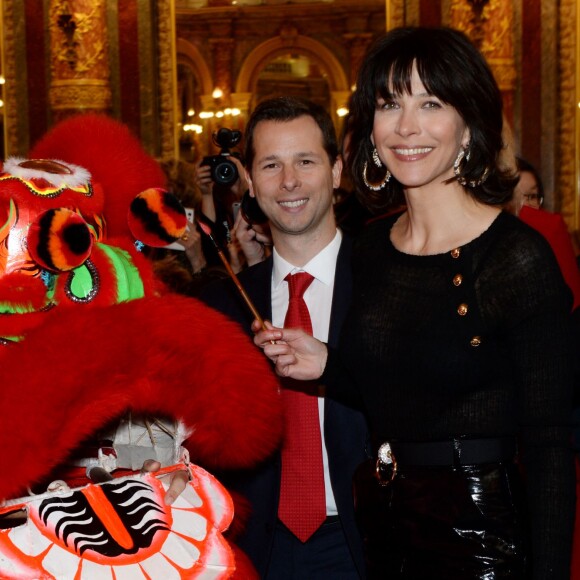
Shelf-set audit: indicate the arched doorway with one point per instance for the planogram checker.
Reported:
(292, 64)
(193, 81)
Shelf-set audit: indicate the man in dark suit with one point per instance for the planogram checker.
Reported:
(293, 167)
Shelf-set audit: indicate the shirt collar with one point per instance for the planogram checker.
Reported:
(322, 266)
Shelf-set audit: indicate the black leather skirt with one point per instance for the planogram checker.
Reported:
(462, 522)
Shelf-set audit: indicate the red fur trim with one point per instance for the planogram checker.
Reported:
(112, 154)
(19, 324)
(170, 356)
(244, 567)
(22, 290)
(242, 512)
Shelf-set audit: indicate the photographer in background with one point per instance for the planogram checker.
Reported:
(221, 180)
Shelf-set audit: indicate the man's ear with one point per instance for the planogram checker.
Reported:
(250, 183)
(336, 172)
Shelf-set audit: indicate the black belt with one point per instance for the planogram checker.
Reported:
(454, 452)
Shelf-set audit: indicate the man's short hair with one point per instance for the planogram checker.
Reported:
(284, 109)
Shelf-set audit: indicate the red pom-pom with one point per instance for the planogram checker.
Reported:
(157, 218)
(59, 240)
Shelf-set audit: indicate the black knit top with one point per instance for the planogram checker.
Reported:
(473, 342)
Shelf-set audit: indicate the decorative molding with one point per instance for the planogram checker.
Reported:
(80, 94)
(78, 39)
(549, 96)
(148, 67)
(268, 50)
(357, 47)
(15, 93)
(223, 49)
(395, 13)
(112, 26)
(490, 26)
(567, 174)
(190, 53)
(413, 13)
(168, 106)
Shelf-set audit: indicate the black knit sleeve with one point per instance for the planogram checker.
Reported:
(532, 304)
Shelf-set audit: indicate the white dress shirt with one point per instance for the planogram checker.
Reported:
(318, 298)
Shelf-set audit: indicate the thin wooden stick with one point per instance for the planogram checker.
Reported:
(207, 231)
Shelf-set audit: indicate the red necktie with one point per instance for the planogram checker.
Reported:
(302, 506)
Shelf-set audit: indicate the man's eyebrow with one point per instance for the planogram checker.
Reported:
(268, 157)
(299, 155)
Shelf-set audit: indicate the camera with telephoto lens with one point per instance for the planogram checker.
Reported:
(223, 169)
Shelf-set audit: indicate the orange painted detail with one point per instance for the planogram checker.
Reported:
(45, 189)
(107, 514)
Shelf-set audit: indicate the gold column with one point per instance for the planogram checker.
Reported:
(79, 66)
(394, 13)
(15, 91)
(489, 25)
(567, 172)
(170, 116)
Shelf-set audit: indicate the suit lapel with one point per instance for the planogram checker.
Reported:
(257, 282)
(342, 291)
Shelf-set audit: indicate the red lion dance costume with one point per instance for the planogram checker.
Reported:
(87, 336)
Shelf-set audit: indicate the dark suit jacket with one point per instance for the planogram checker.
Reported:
(344, 428)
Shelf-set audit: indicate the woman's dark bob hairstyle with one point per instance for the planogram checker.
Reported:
(453, 70)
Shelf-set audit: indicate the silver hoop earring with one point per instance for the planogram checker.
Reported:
(457, 166)
(375, 186)
(457, 169)
(376, 158)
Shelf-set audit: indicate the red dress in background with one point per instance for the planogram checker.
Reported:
(553, 228)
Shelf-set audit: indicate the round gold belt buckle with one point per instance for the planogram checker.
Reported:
(386, 467)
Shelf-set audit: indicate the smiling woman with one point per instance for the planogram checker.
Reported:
(439, 134)
(457, 343)
(418, 136)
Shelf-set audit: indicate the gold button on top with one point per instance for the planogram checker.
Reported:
(455, 253)
(462, 309)
(475, 341)
(457, 279)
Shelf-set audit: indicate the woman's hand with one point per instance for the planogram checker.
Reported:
(295, 353)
